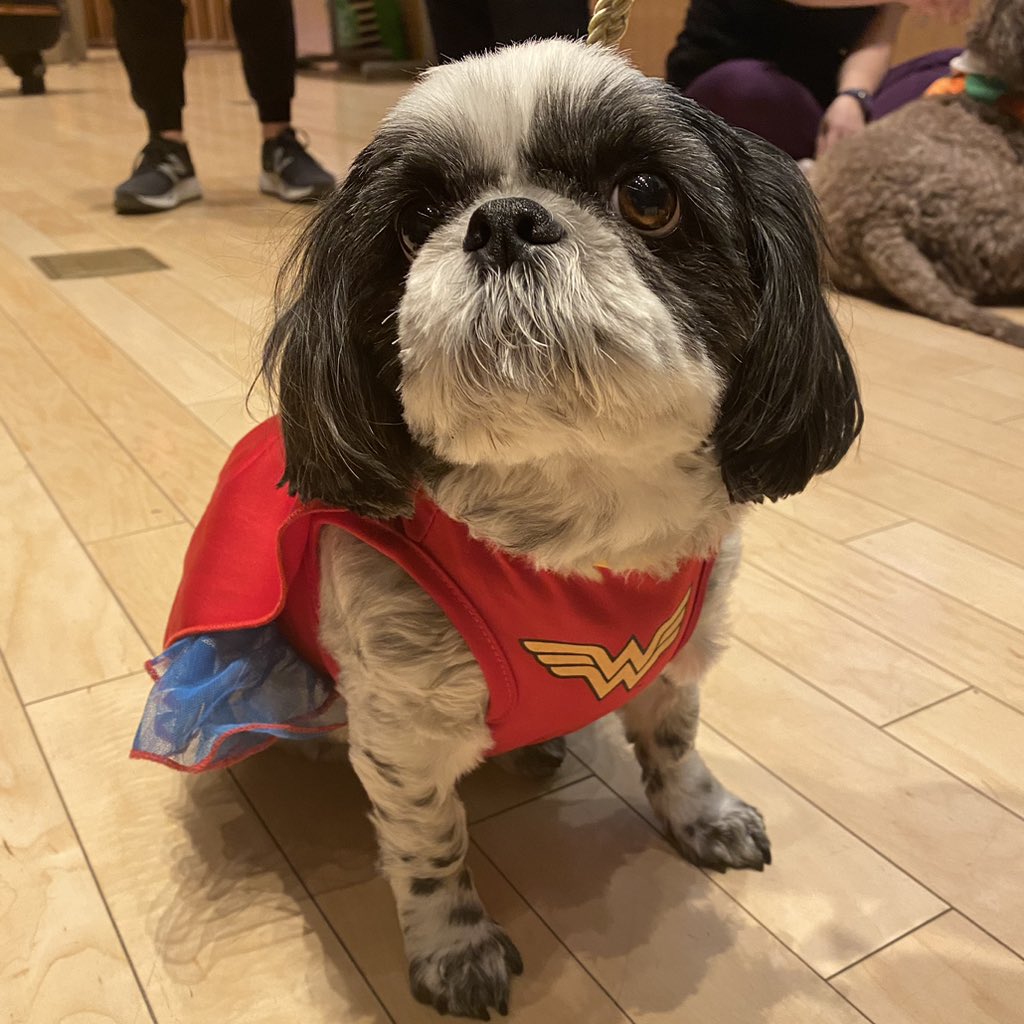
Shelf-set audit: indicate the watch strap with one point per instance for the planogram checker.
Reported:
(864, 98)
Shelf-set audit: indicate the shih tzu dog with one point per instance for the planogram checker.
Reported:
(557, 328)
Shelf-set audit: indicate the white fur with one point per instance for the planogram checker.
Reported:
(465, 97)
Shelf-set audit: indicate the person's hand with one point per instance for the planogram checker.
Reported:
(843, 118)
(950, 10)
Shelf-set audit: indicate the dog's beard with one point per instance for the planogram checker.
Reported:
(529, 331)
(571, 342)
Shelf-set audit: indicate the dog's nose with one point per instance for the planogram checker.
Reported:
(505, 230)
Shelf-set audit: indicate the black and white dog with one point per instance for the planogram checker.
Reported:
(586, 318)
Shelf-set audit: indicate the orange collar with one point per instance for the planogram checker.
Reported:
(957, 85)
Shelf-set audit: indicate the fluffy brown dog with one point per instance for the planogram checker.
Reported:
(927, 205)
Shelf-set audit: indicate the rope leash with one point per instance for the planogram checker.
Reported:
(608, 22)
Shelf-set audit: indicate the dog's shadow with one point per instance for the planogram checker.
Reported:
(282, 830)
(232, 898)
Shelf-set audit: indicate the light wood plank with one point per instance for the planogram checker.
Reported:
(205, 324)
(940, 831)
(232, 418)
(664, 941)
(829, 897)
(1003, 381)
(552, 988)
(874, 676)
(993, 480)
(966, 642)
(171, 360)
(972, 393)
(895, 328)
(835, 513)
(990, 439)
(60, 957)
(178, 451)
(211, 914)
(60, 626)
(21, 238)
(319, 812)
(949, 972)
(45, 217)
(977, 739)
(144, 570)
(976, 577)
(970, 517)
(874, 348)
(102, 496)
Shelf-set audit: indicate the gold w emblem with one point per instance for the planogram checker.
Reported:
(602, 670)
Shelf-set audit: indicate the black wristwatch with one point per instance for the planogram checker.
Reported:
(864, 98)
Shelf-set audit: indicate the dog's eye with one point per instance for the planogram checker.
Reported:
(647, 202)
(415, 224)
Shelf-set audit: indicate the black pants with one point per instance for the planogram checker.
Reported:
(24, 62)
(151, 41)
(462, 27)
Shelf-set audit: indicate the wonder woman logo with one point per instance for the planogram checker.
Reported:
(599, 667)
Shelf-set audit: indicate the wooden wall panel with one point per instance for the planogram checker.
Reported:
(654, 25)
(207, 22)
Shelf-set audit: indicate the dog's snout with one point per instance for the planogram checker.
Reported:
(503, 231)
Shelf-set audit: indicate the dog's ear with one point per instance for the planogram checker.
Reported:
(332, 356)
(791, 408)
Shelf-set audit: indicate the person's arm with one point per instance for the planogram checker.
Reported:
(863, 69)
(869, 60)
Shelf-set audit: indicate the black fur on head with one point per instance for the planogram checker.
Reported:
(332, 354)
(792, 407)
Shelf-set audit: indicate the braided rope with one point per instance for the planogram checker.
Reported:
(608, 22)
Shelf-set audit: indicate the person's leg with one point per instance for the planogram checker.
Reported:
(515, 22)
(460, 27)
(909, 80)
(29, 67)
(151, 41)
(754, 95)
(150, 38)
(265, 30)
(464, 27)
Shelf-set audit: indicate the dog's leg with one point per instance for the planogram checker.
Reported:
(905, 272)
(416, 710)
(460, 960)
(712, 827)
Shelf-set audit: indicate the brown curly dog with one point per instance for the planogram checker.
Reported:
(927, 205)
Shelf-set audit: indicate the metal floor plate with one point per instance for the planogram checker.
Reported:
(102, 263)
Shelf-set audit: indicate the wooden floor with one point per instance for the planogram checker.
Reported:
(872, 704)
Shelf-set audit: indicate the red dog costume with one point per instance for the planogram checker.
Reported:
(557, 652)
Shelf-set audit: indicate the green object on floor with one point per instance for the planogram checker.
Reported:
(370, 24)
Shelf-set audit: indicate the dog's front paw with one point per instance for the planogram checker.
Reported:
(469, 974)
(729, 834)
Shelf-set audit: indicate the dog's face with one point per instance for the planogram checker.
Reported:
(543, 252)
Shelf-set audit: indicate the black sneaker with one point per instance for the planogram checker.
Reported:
(290, 173)
(34, 83)
(163, 177)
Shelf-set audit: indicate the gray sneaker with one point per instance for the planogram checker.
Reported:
(163, 177)
(290, 173)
